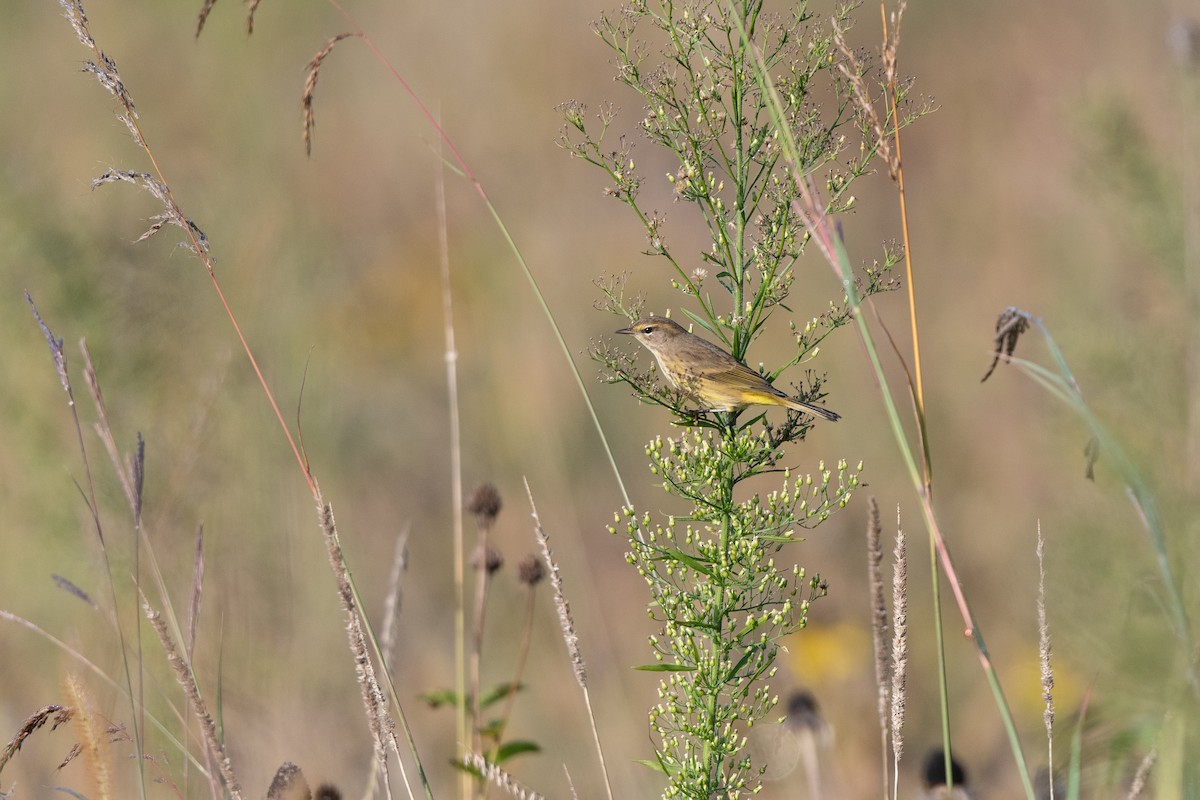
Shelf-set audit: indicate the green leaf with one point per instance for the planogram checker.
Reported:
(691, 561)
(741, 662)
(654, 765)
(779, 538)
(665, 668)
(516, 748)
(493, 729)
(703, 323)
(436, 698)
(500, 692)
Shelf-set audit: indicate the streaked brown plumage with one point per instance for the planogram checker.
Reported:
(700, 369)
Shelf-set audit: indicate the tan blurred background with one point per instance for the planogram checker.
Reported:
(1052, 177)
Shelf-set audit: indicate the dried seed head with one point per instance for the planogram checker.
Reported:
(933, 773)
(1011, 323)
(289, 784)
(484, 503)
(327, 791)
(803, 712)
(531, 570)
(491, 560)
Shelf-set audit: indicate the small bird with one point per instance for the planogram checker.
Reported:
(700, 369)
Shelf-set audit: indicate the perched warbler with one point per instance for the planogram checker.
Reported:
(705, 372)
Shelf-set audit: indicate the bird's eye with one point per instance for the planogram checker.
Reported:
(648, 330)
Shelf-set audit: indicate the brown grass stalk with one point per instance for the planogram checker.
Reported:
(879, 625)
(570, 638)
(310, 86)
(187, 680)
(891, 46)
(104, 69)
(58, 353)
(374, 703)
(387, 636)
(106, 73)
(899, 667)
(90, 732)
(1047, 670)
(393, 600)
(498, 777)
(51, 713)
(1140, 778)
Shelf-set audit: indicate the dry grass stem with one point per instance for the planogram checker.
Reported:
(565, 623)
(183, 674)
(90, 732)
(251, 10)
(202, 18)
(1142, 775)
(105, 71)
(879, 621)
(498, 777)
(374, 702)
(570, 638)
(197, 589)
(135, 463)
(391, 606)
(104, 429)
(115, 733)
(853, 71)
(56, 352)
(891, 43)
(387, 637)
(70, 588)
(195, 240)
(51, 713)
(899, 647)
(1044, 658)
(310, 85)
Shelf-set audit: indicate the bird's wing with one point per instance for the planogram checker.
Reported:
(734, 373)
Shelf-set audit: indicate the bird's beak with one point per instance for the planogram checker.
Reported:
(625, 330)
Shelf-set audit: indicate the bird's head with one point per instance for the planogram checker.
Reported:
(654, 331)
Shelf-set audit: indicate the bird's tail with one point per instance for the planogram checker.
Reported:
(809, 408)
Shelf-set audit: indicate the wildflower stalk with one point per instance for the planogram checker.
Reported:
(718, 584)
